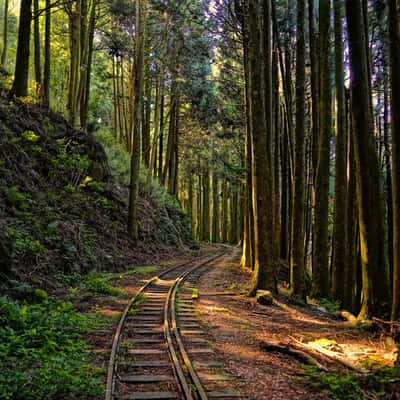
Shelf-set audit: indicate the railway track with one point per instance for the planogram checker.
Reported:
(159, 349)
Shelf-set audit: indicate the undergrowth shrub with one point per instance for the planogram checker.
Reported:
(42, 354)
(342, 386)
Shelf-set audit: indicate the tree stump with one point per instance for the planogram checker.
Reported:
(264, 297)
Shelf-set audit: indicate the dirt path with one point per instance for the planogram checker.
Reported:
(237, 324)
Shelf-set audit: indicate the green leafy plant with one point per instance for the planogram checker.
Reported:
(336, 386)
(20, 200)
(43, 344)
(31, 136)
(329, 304)
(23, 242)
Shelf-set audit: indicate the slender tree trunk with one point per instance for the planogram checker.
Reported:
(351, 301)
(161, 143)
(206, 202)
(20, 84)
(47, 57)
(157, 113)
(36, 36)
(321, 244)
(141, 14)
(84, 106)
(247, 260)
(75, 61)
(375, 284)
(297, 268)
(146, 124)
(215, 218)
(339, 245)
(5, 35)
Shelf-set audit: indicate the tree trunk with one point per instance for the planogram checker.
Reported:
(206, 204)
(297, 268)
(5, 35)
(321, 246)
(20, 84)
(36, 36)
(47, 57)
(260, 25)
(84, 106)
(339, 230)
(394, 41)
(375, 284)
(215, 214)
(146, 125)
(141, 13)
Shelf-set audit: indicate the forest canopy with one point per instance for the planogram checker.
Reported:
(274, 124)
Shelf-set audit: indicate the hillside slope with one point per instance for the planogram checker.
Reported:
(61, 209)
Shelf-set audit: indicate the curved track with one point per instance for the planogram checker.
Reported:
(149, 358)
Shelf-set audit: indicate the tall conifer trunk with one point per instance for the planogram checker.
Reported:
(321, 246)
(339, 244)
(394, 40)
(297, 268)
(375, 283)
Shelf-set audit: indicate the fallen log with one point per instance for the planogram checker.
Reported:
(292, 351)
(333, 356)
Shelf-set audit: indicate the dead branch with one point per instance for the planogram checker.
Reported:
(333, 356)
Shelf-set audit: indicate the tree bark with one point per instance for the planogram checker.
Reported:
(375, 284)
(321, 244)
(47, 57)
(20, 84)
(141, 14)
(394, 45)
(36, 36)
(260, 89)
(339, 230)
(297, 267)
(5, 35)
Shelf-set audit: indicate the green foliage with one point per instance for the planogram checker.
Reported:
(351, 387)
(23, 242)
(330, 305)
(42, 355)
(31, 136)
(119, 160)
(20, 200)
(336, 386)
(118, 157)
(105, 203)
(145, 269)
(73, 163)
(93, 282)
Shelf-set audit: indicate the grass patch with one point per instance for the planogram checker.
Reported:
(140, 270)
(42, 353)
(95, 283)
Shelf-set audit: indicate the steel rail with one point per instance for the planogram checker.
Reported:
(200, 391)
(110, 384)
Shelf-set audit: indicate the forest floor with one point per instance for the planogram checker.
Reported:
(237, 324)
